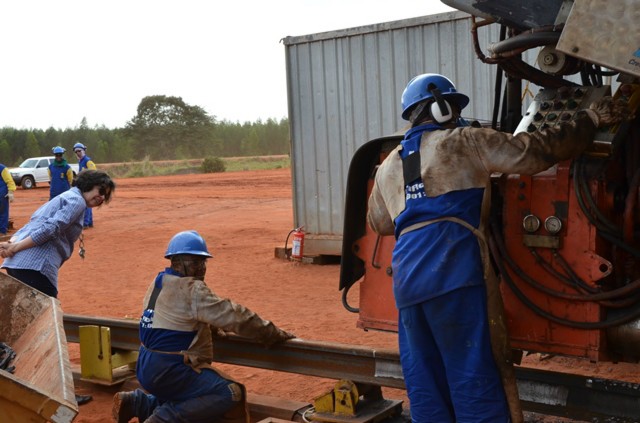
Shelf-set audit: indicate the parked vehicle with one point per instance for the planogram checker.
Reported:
(34, 170)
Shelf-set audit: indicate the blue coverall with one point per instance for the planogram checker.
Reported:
(439, 268)
(86, 163)
(440, 173)
(61, 177)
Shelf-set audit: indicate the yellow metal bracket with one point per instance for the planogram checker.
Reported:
(99, 362)
(341, 400)
(350, 403)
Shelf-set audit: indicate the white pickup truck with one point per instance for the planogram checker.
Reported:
(34, 171)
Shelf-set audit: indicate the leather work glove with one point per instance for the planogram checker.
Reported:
(220, 333)
(610, 111)
(280, 336)
(10, 196)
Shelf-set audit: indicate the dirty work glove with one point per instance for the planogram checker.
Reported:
(10, 196)
(219, 333)
(609, 111)
(280, 336)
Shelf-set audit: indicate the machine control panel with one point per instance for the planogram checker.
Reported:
(551, 107)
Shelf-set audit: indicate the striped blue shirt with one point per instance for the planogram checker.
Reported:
(54, 228)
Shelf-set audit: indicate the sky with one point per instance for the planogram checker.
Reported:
(65, 60)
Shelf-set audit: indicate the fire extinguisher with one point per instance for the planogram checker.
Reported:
(297, 243)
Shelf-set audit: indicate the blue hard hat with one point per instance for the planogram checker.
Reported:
(420, 89)
(58, 150)
(187, 242)
(79, 145)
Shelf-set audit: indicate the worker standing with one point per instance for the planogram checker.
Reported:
(84, 162)
(429, 193)
(174, 364)
(60, 173)
(7, 188)
(36, 252)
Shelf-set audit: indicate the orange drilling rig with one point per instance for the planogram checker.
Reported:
(565, 242)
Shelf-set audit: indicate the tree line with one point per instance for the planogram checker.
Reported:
(164, 128)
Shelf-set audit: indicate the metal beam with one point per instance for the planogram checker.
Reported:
(334, 361)
(541, 391)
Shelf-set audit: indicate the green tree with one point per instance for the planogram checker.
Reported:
(5, 152)
(31, 147)
(51, 138)
(251, 143)
(120, 149)
(162, 123)
(99, 153)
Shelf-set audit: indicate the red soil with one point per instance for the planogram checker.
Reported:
(243, 216)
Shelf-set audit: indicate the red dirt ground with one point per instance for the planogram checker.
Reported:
(243, 216)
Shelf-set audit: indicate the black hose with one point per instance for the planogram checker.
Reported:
(497, 100)
(579, 175)
(602, 230)
(610, 299)
(286, 242)
(574, 277)
(572, 282)
(345, 302)
(632, 314)
(524, 41)
(600, 296)
(516, 67)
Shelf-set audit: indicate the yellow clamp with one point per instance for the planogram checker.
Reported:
(99, 362)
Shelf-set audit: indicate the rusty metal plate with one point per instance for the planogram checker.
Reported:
(41, 388)
(604, 32)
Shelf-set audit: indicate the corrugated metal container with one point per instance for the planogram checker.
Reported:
(344, 89)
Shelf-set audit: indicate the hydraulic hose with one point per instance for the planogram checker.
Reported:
(502, 254)
(345, 302)
(523, 42)
(628, 316)
(497, 99)
(603, 229)
(582, 189)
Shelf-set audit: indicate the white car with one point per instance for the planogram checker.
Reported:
(34, 171)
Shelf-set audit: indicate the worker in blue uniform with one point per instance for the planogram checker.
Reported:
(174, 365)
(7, 188)
(60, 173)
(432, 193)
(84, 162)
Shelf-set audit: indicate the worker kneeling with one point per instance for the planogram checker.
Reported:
(174, 365)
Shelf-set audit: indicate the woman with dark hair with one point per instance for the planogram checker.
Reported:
(36, 252)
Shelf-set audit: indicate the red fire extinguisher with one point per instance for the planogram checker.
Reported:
(297, 244)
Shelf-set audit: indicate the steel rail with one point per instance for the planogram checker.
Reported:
(334, 361)
(553, 393)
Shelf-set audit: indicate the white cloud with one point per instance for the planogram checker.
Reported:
(68, 59)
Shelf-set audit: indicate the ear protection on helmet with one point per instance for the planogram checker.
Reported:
(440, 109)
(418, 91)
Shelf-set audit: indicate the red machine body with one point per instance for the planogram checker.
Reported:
(565, 242)
(543, 264)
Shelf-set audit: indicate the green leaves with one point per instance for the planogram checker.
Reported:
(164, 128)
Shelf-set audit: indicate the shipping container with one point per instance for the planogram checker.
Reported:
(344, 89)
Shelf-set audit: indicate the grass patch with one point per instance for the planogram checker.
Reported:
(234, 164)
(182, 167)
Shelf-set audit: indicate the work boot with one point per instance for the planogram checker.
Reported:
(123, 407)
(83, 399)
